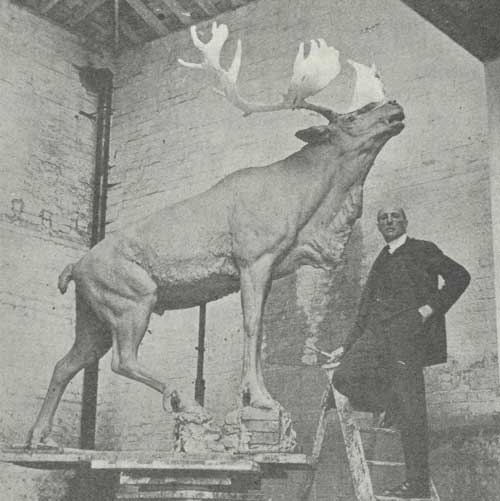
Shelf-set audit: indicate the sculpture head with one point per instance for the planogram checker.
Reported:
(368, 128)
(391, 222)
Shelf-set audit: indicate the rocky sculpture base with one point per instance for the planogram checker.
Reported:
(248, 430)
(245, 430)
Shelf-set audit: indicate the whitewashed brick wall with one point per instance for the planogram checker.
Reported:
(47, 152)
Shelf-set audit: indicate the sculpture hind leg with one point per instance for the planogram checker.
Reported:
(92, 341)
(129, 327)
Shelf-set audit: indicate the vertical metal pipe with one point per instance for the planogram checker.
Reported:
(199, 386)
(104, 86)
(117, 24)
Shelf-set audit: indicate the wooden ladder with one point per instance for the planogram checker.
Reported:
(375, 455)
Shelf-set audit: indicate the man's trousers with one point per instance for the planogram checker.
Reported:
(383, 371)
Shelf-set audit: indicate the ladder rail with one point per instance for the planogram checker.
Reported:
(358, 464)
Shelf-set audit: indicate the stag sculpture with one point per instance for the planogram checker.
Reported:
(254, 226)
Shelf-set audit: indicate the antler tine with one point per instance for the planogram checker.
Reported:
(311, 74)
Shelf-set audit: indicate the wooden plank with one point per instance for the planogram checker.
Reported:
(307, 484)
(130, 33)
(192, 479)
(358, 465)
(238, 3)
(288, 460)
(178, 11)
(45, 459)
(85, 10)
(137, 460)
(374, 462)
(208, 7)
(169, 464)
(190, 495)
(149, 17)
(48, 5)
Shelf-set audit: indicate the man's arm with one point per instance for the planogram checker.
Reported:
(354, 333)
(362, 315)
(456, 279)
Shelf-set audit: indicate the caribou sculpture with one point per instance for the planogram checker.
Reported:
(254, 226)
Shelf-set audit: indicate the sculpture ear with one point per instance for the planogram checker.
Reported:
(315, 134)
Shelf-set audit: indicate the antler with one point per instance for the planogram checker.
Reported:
(369, 87)
(310, 74)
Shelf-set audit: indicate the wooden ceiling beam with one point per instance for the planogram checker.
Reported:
(149, 17)
(238, 3)
(178, 11)
(208, 7)
(48, 5)
(463, 24)
(130, 33)
(85, 10)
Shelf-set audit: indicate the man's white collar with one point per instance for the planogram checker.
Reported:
(397, 243)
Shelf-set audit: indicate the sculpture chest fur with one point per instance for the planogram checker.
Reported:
(255, 225)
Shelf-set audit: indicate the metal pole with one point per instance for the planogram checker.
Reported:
(199, 387)
(104, 86)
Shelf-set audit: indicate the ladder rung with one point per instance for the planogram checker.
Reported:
(393, 498)
(388, 431)
(373, 462)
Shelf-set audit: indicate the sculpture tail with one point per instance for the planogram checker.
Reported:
(65, 278)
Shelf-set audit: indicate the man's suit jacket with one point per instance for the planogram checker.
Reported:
(424, 262)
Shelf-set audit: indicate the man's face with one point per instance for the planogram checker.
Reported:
(391, 223)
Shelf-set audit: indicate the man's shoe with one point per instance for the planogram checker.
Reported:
(409, 490)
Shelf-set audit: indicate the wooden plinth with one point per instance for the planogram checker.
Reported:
(169, 476)
(195, 485)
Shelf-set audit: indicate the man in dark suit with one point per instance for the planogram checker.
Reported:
(399, 329)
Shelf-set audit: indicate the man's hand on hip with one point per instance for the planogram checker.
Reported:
(425, 312)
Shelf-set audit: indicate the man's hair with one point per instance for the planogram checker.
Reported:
(400, 209)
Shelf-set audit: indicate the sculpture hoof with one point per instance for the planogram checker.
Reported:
(188, 408)
(170, 400)
(258, 398)
(264, 403)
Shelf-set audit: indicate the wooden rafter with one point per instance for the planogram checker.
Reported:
(86, 9)
(130, 33)
(178, 11)
(238, 3)
(148, 16)
(99, 28)
(48, 5)
(208, 7)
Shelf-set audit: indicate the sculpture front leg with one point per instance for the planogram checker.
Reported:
(255, 284)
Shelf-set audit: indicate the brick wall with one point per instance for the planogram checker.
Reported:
(173, 137)
(45, 199)
(493, 90)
